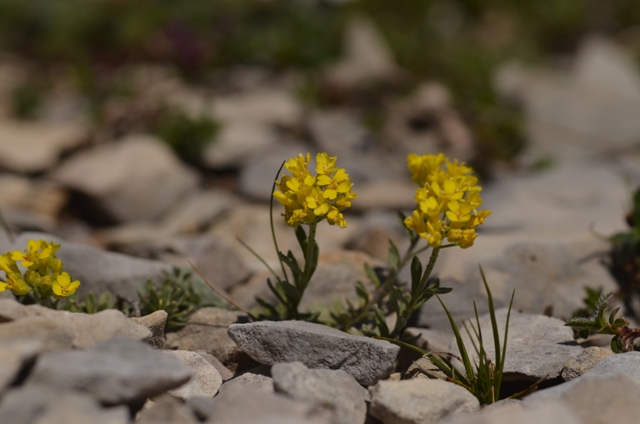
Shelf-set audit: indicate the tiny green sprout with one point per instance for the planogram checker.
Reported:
(602, 321)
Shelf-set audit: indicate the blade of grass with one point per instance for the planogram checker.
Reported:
(463, 351)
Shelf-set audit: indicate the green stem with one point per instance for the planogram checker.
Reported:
(273, 232)
(429, 269)
(308, 257)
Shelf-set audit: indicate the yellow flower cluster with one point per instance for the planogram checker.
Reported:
(307, 199)
(447, 199)
(44, 274)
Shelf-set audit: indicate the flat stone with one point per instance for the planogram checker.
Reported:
(45, 142)
(98, 270)
(537, 347)
(205, 379)
(337, 131)
(247, 405)
(206, 330)
(420, 401)
(156, 323)
(65, 330)
(237, 142)
(225, 372)
(323, 387)
(41, 404)
(166, 410)
(590, 356)
(552, 412)
(316, 346)
(117, 181)
(14, 355)
(259, 378)
(119, 371)
(266, 105)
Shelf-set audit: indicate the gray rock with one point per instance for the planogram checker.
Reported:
(97, 270)
(166, 410)
(624, 366)
(590, 356)
(155, 322)
(366, 58)
(424, 368)
(258, 377)
(316, 346)
(117, 180)
(65, 330)
(386, 194)
(553, 412)
(11, 310)
(225, 372)
(544, 275)
(538, 346)
(247, 405)
(266, 105)
(14, 355)
(429, 340)
(338, 132)
(190, 216)
(48, 405)
(119, 371)
(207, 330)
(45, 143)
(323, 387)
(205, 378)
(237, 142)
(422, 401)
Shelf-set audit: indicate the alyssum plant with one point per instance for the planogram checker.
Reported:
(447, 202)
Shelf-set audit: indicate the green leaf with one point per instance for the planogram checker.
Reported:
(416, 274)
(616, 344)
(372, 275)
(269, 307)
(393, 256)
(291, 262)
(302, 237)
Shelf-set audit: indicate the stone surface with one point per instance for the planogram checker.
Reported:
(14, 355)
(590, 356)
(117, 180)
(366, 56)
(333, 281)
(258, 381)
(545, 274)
(225, 372)
(205, 378)
(537, 346)
(419, 401)
(265, 105)
(192, 215)
(247, 405)
(65, 330)
(207, 330)
(155, 322)
(166, 410)
(98, 270)
(316, 346)
(45, 143)
(553, 412)
(237, 142)
(41, 404)
(323, 387)
(119, 371)
(339, 132)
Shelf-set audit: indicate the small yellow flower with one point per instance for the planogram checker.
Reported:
(447, 200)
(63, 286)
(16, 285)
(307, 199)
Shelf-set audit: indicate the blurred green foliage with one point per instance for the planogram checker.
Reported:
(185, 135)
(458, 42)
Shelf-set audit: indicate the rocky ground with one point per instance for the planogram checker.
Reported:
(138, 210)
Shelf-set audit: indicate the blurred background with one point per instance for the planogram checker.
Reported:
(142, 125)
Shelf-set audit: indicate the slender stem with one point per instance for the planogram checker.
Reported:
(273, 232)
(429, 269)
(308, 256)
(219, 293)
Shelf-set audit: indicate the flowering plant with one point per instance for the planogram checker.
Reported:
(44, 277)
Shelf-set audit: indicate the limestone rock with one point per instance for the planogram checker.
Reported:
(205, 379)
(574, 368)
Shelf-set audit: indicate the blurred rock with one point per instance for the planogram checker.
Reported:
(267, 106)
(391, 194)
(15, 355)
(366, 56)
(334, 280)
(237, 142)
(42, 404)
(119, 371)
(30, 204)
(205, 379)
(44, 142)
(316, 346)
(98, 270)
(419, 401)
(190, 216)
(538, 346)
(117, 177)
(577, 366)
(373, 235)
(258, 377)
(166, 410)
(207, 330)
(553, 412)
(156, 323)
(225, 372)
(333, 388)
(338, 132)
